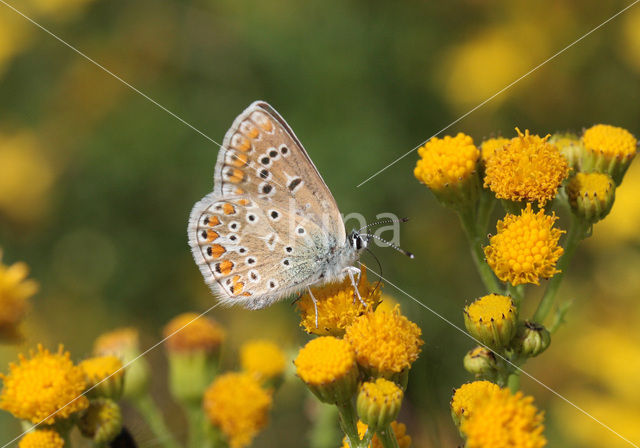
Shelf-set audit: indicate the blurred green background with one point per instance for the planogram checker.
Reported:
(96, 182)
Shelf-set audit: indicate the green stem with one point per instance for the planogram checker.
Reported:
(486, 205)
(324, 432)
(516, 293)
(154, 419)
(348, 423)
(196, 422)
(477, 253)
(388, 437)
(513, 382)
(577, 232)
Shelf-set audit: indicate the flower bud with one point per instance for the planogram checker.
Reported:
(591, 195)
(105, 376)
(491, 320)
(378, 403)
(570, 147)
(328, 367)
(609, 150)
(102, 422)
(531, 339)
(481, 362)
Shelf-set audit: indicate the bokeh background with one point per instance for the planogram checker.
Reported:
(96, 183)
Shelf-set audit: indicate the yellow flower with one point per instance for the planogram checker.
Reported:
(609, 149)
(591, 195)
(15, 290)
(124, 344)
(492, 320)
(190, 332)
(379, 402)
(528, 169)
(41, 438)
(525, 248)
(386, 343)
(489, 147)
(337, 308)
(263, 359)
(97, 369)
(38, 387)
(504, 420)
(399, 430)
(62, 9)
(466, 398)
(448, 167)
(237, 405)
(328, 367)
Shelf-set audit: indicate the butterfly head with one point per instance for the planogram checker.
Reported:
(357, 241)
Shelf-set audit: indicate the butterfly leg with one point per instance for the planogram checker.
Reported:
(315, 304)
(352, 272)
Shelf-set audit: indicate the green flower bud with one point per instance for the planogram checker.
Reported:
(570, 147)
(609, 150)
(492, 320)
(531, 339)
(591, 195)
(102, 422)
(481, 362)
(378, 403)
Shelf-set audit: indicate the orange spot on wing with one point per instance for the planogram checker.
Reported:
(239, 191)
(241, 143)
(236, 176)
(211, 235)
(228, 209)
(240, 160)
(213, 221)
(217, 250)
(242, 202)
(225, 267)
(246, 294)
(237, 288)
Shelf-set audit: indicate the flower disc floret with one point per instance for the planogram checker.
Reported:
(528, 169)
(385, 342)
(504, 420)
(44, 384)
(191, 332)
(337, 308)
(41, 438)
(466, 397)
(525, 248)
(489, 147)
(237, 405)
(262, 358)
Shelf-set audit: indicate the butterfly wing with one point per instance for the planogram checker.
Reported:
(266, 228)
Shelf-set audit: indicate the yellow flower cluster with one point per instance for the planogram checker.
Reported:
(337, 305)
(503, 420)
(45, 387)
(386, 343)
(445, 161)
(529, 169)
(492, 319)
(238, 405)
(263, 359)
(610, 140)
(41, 438)
(15, 291)
(526, 247)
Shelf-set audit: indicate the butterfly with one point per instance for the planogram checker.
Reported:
(271, 227)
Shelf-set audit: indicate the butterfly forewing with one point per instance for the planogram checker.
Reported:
(258, 237)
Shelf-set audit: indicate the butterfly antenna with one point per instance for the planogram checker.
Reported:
(379, 269)
(390, 244)
(384, 221)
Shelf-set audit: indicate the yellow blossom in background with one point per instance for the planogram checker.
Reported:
(337, 308)
(26, 177)
(14, 36)
(15, 291)
(41, 438)
(60, 9)
(38, 386)
(446, 161)
(528, 169)
(631, 38)
(190, 332)
(237, 405)
(328, 367)
(490, 146)
(466, 397)
(263, 359)
(385, 342)
(526, 247)
(399, 430)
(503, 420)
